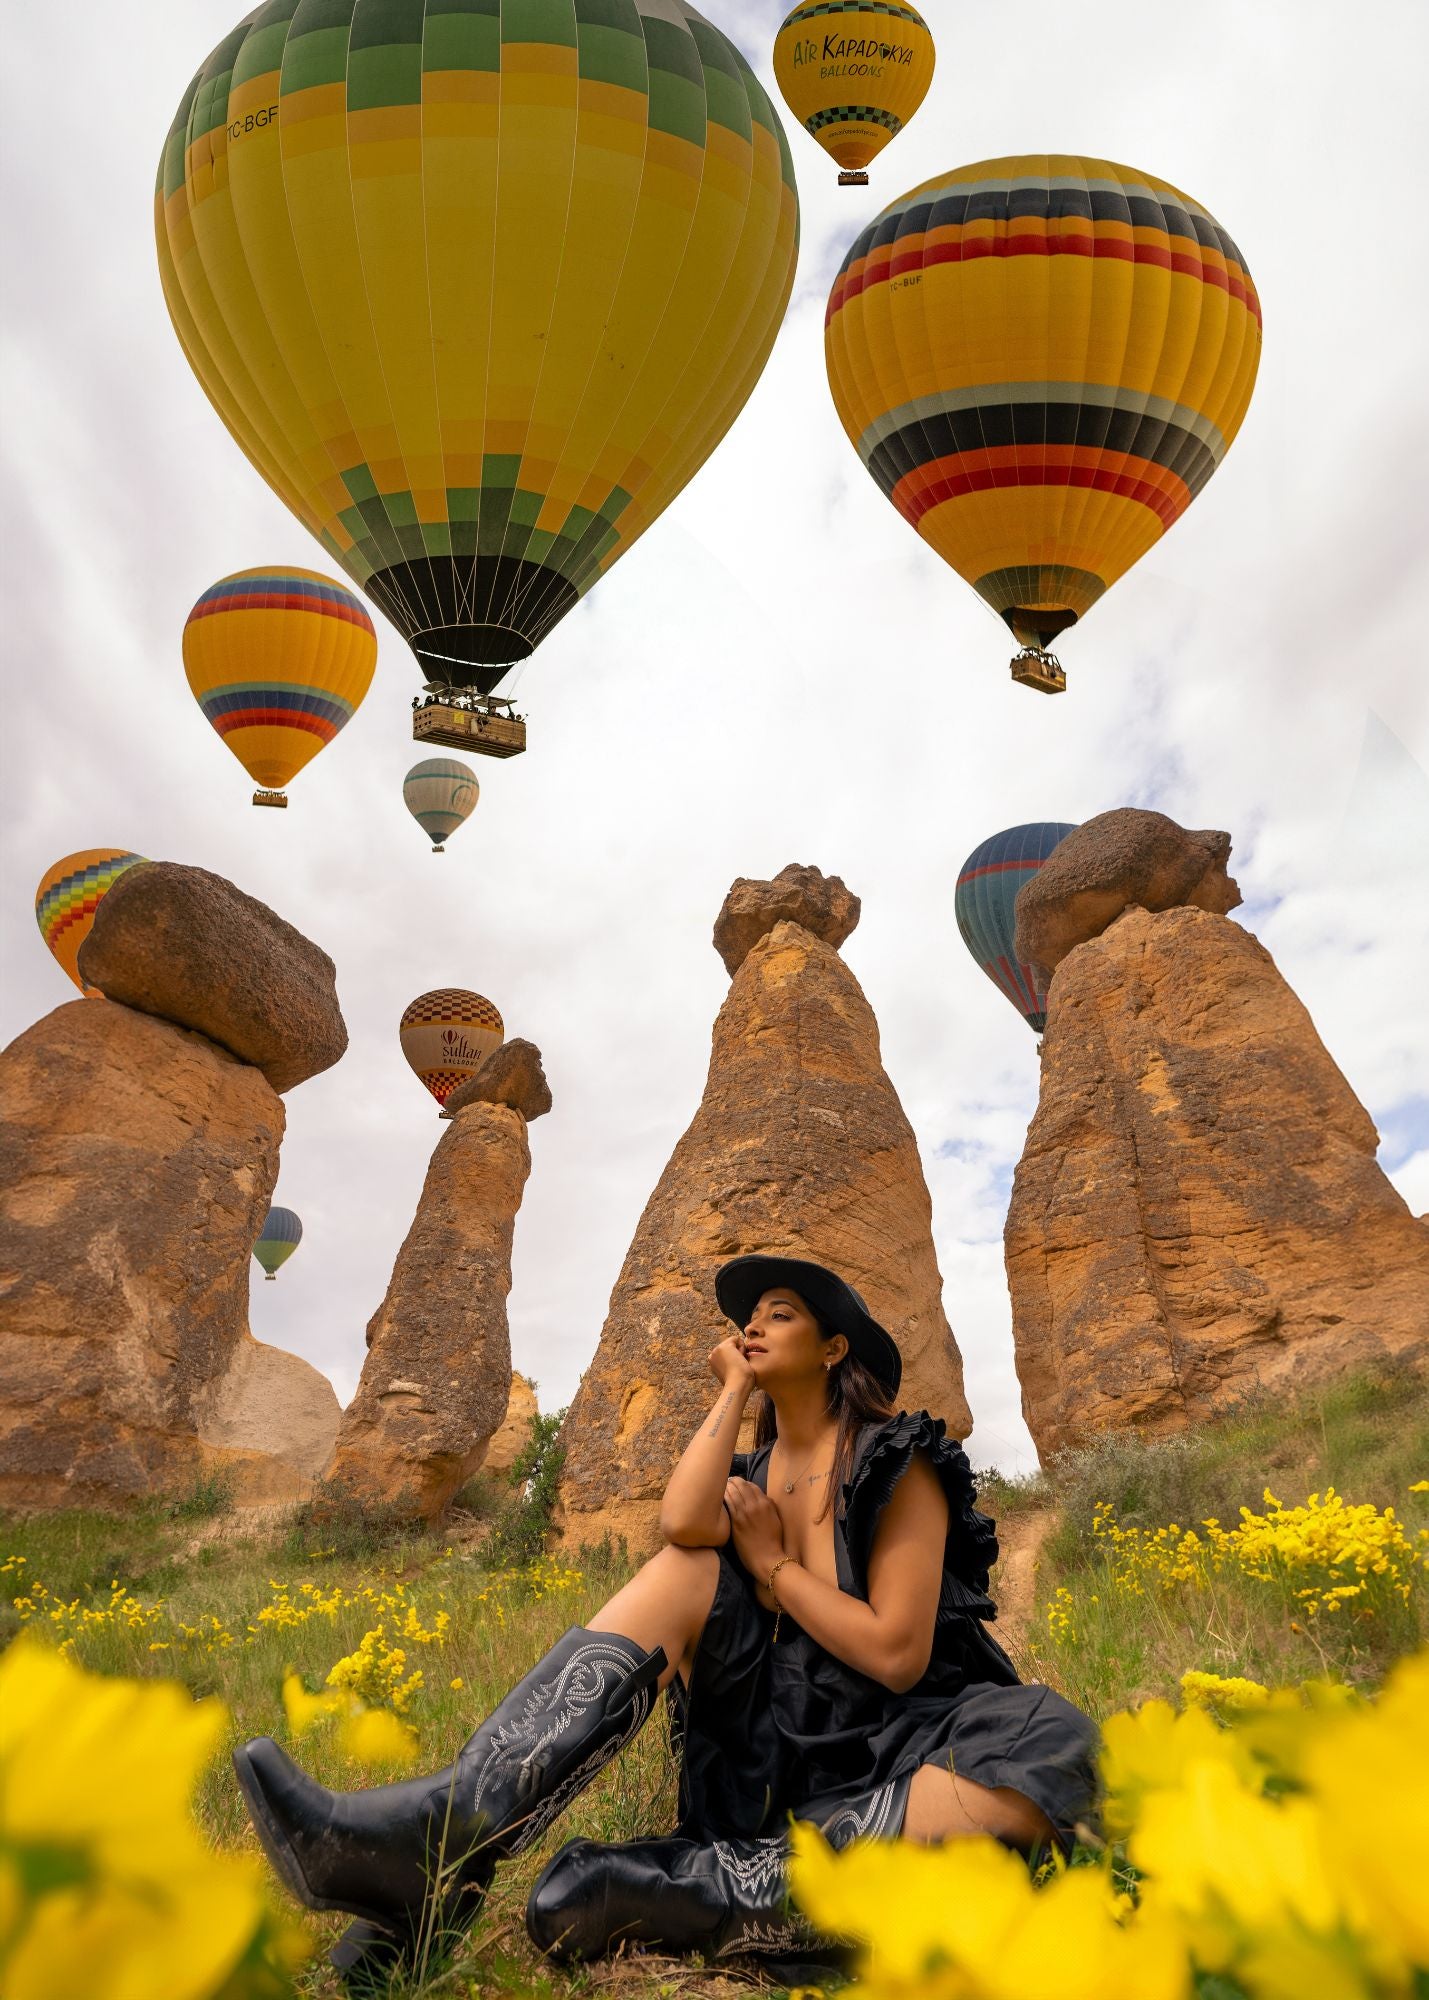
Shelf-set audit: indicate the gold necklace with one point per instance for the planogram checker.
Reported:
(790, 1484)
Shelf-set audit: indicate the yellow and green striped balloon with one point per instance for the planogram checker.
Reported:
(477, 285)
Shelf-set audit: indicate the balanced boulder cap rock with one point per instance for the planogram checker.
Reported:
(513, 1075)
(436, 1384)
(1114, 862)
(799, 1148)
(1198, 1213)
(190, 947)
(137, 1161)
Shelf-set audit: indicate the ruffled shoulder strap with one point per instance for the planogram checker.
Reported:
(885, 1452)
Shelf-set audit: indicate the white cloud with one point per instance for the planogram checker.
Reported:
(779, 671)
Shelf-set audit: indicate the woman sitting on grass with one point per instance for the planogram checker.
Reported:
(818, 1620)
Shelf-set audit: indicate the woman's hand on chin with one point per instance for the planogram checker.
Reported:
(729, 1367)
(758, 1532)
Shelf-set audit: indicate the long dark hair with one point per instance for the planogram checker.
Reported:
(856, 1397)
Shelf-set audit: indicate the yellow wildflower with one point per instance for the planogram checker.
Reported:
(376, 1738)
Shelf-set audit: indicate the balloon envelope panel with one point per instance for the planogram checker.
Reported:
(279, 661)
(440, 794)
(986, 907)
(477, 288)
(281, 1234)
(447, 1035)
(1041, 361)
(853, 72)
(69, 894)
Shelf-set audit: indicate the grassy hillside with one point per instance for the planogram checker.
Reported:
(1120, 1603)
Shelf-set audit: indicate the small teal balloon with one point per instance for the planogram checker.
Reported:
(440, 793)
(281, 1234)
(986, 909)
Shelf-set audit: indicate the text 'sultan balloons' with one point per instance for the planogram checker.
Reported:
(440, 794)
(853, 72)
(477, 288)
(447, 1035)
(1042, 361)
(67, 898)
(985, 903)
(278, 660)
(281, 1234)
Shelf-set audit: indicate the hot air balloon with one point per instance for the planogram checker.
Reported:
(853, 73)
(985, 904)
(477, 290)
(447, 1035)
(67, 898)
(439, 793)
(278, 660)
(1041, 361)
(282, 1233)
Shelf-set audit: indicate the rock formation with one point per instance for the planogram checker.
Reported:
(272, 1419)
(799, 1146)
(437, 1378)
(512, 1075)
(136, 1165)
(1107, 865)
(514, 1435)
(190, 947)
(1198, 1212)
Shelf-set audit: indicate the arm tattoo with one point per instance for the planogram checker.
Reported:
(720, 1415)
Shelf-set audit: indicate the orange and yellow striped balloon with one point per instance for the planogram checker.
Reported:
(1041, 361)
(278, 660)
(67, 898)
(853, 72)
(447, 1035)
(477, 287)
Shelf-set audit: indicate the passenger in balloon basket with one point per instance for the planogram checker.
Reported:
(818, 1621)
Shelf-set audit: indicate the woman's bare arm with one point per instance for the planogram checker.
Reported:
(692, 1512)
(890, 1638)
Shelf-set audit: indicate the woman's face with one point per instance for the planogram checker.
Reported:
(782, 1341)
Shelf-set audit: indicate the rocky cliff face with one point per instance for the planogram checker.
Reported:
(799, 1146)
(1198, 1212)
(514, 1434)
(137, 1161)
(437, 1378)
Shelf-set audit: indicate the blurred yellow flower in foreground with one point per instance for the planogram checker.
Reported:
(107, 1888)
(378, 1739)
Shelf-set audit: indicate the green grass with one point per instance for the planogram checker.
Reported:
(196, 1563)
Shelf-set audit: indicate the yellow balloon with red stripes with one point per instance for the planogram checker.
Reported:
(853, 72)
(1041, 361)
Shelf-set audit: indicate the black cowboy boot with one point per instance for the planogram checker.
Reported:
(413, 1860)
(724, 1899)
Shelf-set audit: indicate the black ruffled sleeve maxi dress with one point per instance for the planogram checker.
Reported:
(766, 1730)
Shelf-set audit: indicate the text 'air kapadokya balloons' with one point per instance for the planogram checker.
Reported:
(440, 793)
(477, 288)
(853, 72)
(1042, 361)
(985, 903)
(67, 898)
(278, 660)
(447, 1035)
(281, 1234)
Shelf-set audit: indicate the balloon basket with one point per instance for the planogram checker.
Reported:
(1032, 668)
(270, 1277)
(853, 180)
(261, 798)
(439, 849)
(487, 731)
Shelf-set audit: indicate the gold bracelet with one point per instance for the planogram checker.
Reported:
(773, 1573)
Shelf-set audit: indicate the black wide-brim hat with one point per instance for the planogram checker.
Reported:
(740, 1284)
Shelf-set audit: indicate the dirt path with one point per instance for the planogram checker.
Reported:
(1014, 1581)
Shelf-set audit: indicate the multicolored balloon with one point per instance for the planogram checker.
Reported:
(440, 793)
(447, 1035)
(1041, 361)
(985, 903)
(281, 1234)
(67, 898)
(278, 660)
(477, 290)
(853, 72)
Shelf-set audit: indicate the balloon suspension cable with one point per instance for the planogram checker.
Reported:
(1034, 668)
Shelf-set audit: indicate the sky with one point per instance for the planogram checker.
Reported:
(778, 671)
